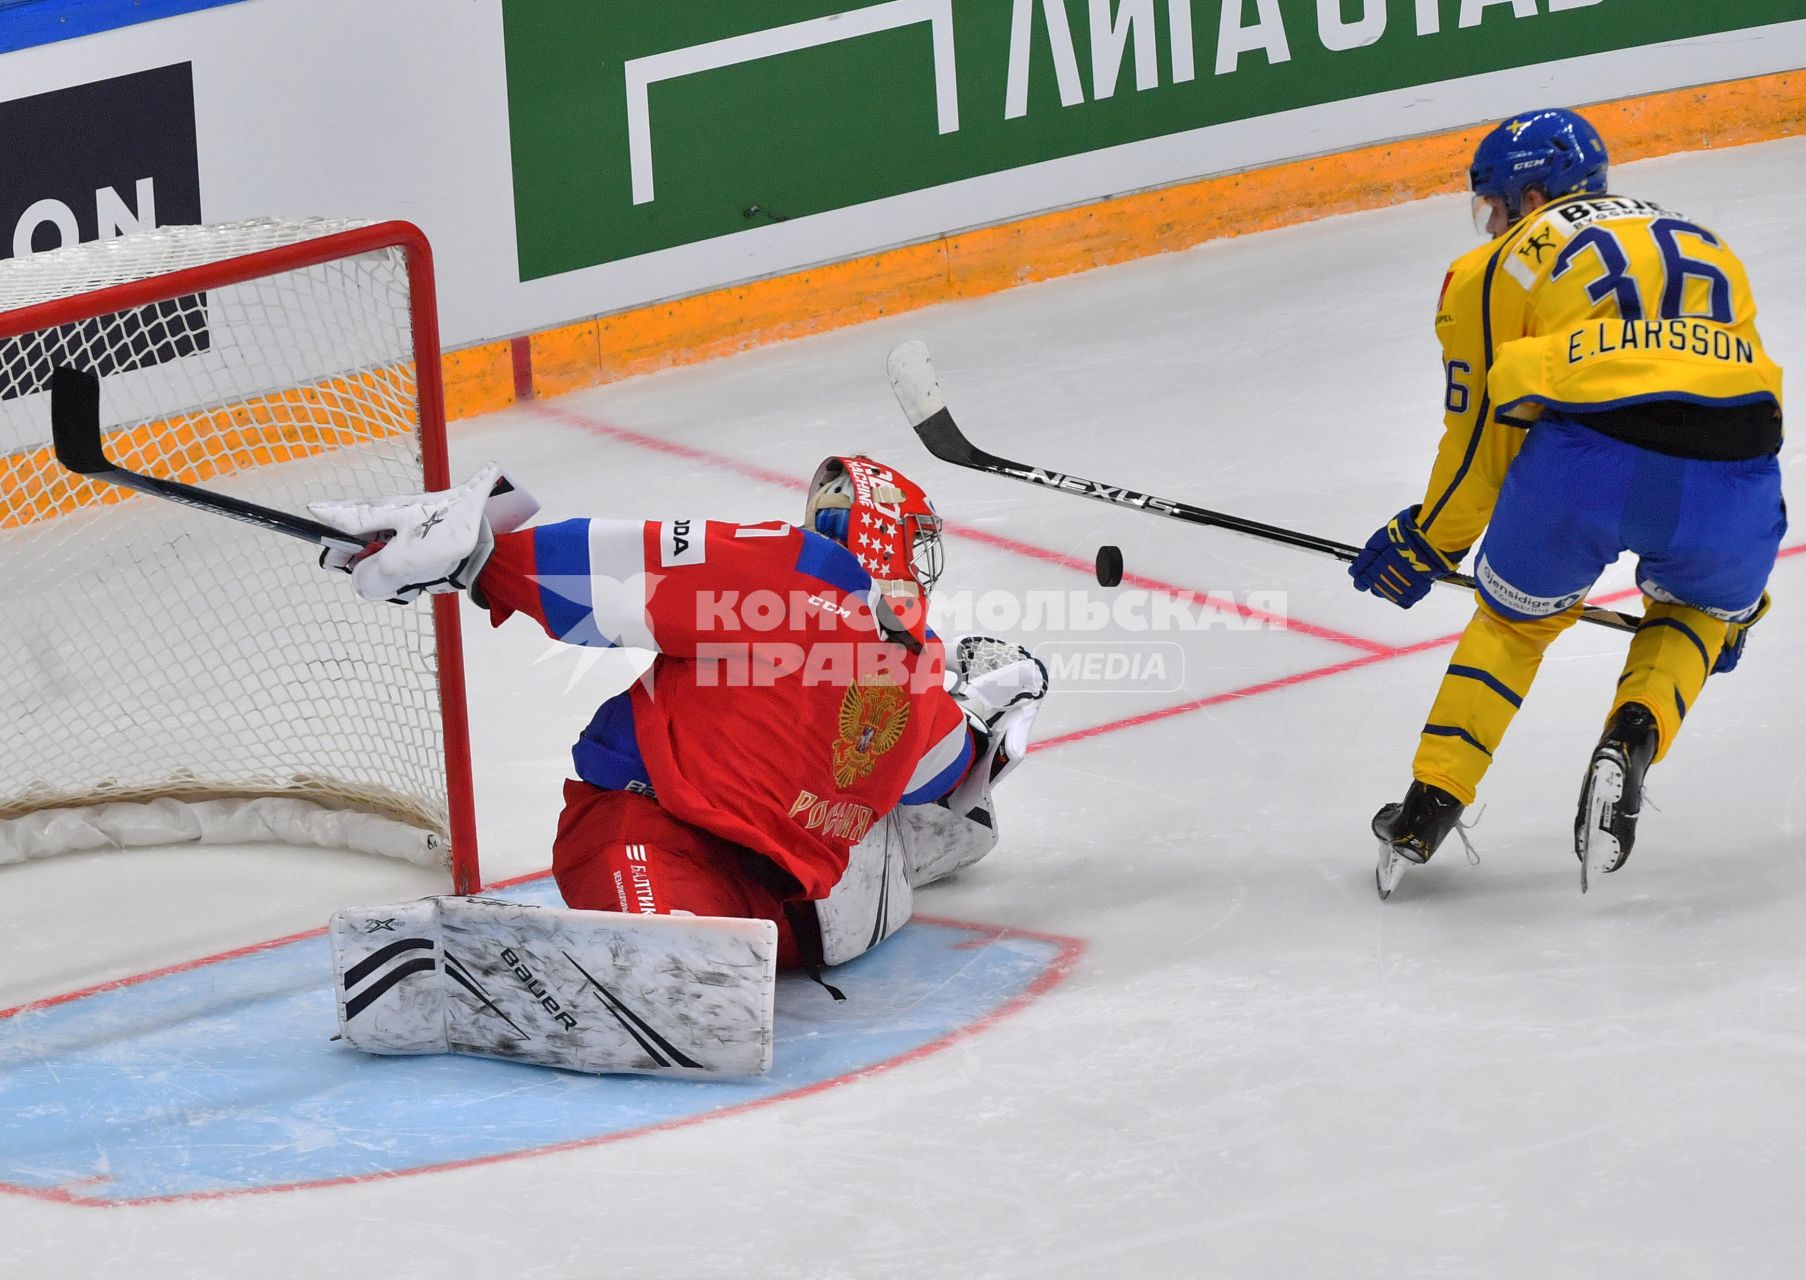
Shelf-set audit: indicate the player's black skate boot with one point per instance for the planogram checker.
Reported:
(1412, 830)
(1612, 796)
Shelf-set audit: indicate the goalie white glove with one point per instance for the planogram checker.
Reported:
(1000, 686)
(427, 543)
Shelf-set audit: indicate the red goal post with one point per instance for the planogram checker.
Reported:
(166, 675)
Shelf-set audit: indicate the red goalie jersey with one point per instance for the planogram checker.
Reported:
(777, 714)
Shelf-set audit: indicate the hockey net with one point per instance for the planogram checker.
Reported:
(169, 675)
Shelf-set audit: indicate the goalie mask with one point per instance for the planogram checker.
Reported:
(883, 518)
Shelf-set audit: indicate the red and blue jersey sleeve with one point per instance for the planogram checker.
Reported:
(664, 585)
(583, 581)
(948, 756)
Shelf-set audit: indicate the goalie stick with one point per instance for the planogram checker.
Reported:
(75, 431)
(913, 380)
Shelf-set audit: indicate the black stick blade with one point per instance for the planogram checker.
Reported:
(75, 421)
(946, 442)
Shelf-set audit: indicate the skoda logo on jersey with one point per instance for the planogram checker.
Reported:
(680, 543)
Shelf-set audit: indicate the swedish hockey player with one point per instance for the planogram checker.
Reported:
(796, 760)
(1606, 392)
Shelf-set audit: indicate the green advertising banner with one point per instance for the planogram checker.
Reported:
(639, 125)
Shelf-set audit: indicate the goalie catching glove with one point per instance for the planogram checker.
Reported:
(425, 543)
(999, 686)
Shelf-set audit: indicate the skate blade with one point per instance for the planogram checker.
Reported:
(1390, 871)
(1594, 842)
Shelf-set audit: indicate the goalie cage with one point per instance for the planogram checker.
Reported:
(166, 675)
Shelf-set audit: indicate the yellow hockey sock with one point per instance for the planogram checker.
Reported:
(1487, 679)
(1669, 660)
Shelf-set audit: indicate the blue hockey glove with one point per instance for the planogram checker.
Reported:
(1398, 562)
(1734, 636)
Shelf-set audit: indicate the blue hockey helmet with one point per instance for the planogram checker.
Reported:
(1555, 151)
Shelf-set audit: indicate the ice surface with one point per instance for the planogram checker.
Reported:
(1258, 1069)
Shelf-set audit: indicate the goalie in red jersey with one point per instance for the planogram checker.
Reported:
(799, 715)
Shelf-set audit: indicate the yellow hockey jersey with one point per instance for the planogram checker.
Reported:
(1591, 303)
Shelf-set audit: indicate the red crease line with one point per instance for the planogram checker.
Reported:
(1232, 695)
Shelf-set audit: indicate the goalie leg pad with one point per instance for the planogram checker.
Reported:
(386, 963)
(873, 899)
(937, 841)
(916, 844)
(999, 685)
(588, 991)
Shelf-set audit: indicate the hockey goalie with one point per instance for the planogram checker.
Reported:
(801, 755)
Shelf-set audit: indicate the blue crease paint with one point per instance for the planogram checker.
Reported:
(222, 1078)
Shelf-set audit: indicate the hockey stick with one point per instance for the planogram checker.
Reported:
(919, 393)
(75, 430)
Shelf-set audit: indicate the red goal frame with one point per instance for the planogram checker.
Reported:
(423, 309)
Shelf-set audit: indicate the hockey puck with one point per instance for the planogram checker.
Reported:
(1109, 566)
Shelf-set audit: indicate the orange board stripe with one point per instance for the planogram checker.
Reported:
(975, 263)
(194, 448)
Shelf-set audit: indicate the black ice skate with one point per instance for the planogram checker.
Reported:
(1612, 797)
(1412, 830)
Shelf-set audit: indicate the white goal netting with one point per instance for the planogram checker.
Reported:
(167, 659)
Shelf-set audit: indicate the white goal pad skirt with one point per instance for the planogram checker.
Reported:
(255, 820)
(595, 991)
